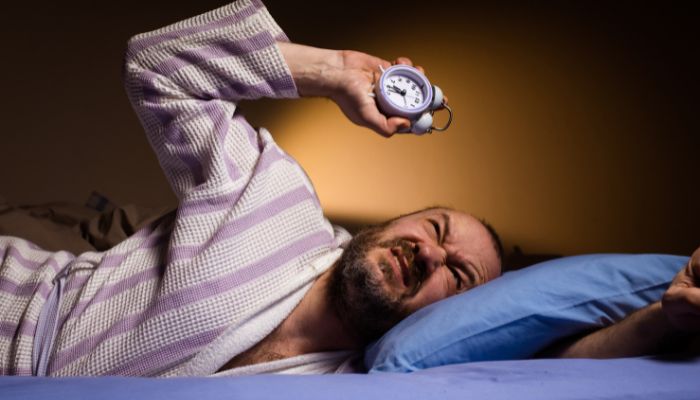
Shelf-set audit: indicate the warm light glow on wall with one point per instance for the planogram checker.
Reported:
(554, 153)
(575, 126)
(359, 174)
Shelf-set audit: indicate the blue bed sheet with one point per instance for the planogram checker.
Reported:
(631, 378)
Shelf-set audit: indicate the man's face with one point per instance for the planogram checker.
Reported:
(388, 272)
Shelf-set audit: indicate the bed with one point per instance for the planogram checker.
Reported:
(633, 378)
(479, 344)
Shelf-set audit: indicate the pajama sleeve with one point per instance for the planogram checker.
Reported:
(184, 82)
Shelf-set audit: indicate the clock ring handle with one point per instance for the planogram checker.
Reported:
(449, 121)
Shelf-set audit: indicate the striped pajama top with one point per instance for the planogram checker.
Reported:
(187, 293)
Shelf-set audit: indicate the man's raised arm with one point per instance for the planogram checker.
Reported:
(184, 81)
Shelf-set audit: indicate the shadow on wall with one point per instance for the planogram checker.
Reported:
(575, 127)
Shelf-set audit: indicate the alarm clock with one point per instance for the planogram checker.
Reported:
(404, 91)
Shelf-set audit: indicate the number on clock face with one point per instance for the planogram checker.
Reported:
(403, 91)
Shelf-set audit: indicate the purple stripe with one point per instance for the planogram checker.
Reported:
(25, 289)
(269, 88)
(267, 158)
(76, 281)
(112, 290)
(154, 240)
(244, 222)
(222, 49)
(10, 330)
(193, 294)
(231, 88)
(221, 121)
(278, 258)
(192, 163)
(7, 329)
(141, 44)
(203, 206)
(151, 96)
(174, 133)
(239, 226)
(15, 254)
(282, 37)
(189, 156)
(151, 363)
(115, 260)
(109, 291)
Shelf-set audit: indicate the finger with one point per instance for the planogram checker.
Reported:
(686, 277)
(685, 297)
(377, 122)
(403, 60)
(421, 69)
(382, 125)
(399, 124)
(694, 266)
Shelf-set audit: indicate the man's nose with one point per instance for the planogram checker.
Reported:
(432, 257)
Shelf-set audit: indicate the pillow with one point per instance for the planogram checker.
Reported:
(522, 312)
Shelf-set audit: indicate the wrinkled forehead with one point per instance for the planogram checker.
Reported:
(467, 233)
(421, 214)
(456, 218)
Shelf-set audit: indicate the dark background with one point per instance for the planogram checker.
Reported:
(576, 123)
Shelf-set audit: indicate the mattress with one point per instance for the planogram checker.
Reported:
(631, 378)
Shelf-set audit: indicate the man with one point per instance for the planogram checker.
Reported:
(247, 276)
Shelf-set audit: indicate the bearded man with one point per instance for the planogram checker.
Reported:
(248, 275)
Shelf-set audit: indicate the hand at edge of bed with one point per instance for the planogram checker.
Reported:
(681, 302)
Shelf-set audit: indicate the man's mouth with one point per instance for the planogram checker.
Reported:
(403, 264)
(410, 273)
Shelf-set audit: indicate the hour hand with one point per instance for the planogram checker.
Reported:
(395, 89)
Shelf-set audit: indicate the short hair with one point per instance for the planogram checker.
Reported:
(495, 238)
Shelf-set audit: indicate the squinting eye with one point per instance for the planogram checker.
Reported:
(458, 279)
(436, 226)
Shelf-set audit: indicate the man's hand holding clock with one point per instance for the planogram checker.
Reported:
(347, 77)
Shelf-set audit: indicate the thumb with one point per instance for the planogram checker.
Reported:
(399, 124)
(386, 127)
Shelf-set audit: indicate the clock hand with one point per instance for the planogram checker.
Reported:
(399, 91)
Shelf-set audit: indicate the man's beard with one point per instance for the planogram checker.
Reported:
(357, 293)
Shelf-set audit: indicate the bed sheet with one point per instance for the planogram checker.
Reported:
(631, 378)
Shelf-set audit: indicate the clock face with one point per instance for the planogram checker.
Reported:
(404, 92)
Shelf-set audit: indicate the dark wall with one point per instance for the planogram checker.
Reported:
(576, 122)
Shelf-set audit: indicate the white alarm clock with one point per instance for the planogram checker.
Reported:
(404, 91)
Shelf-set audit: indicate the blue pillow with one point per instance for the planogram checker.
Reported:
(520, 313)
